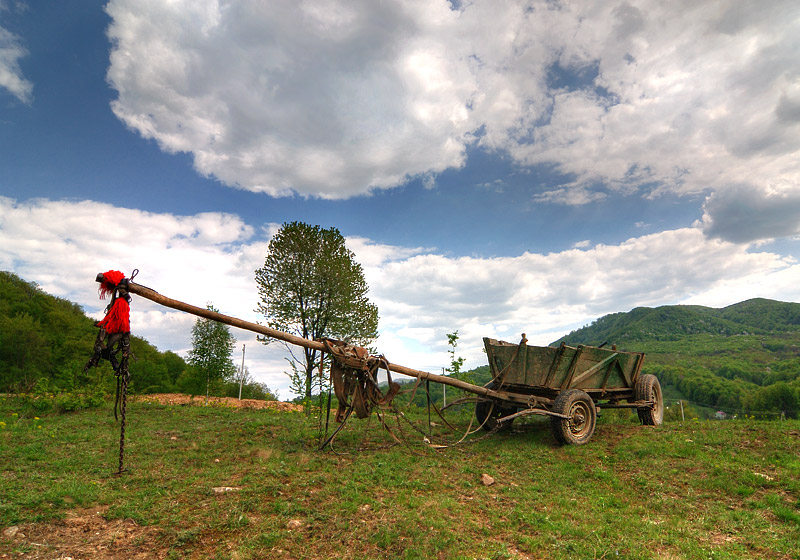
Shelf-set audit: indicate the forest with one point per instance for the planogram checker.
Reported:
(743, 359)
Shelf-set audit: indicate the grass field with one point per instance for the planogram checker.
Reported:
(710, 490)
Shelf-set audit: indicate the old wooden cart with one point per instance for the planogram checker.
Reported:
(567, 383)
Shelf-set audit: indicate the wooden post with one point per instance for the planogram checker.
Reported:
(241, 374)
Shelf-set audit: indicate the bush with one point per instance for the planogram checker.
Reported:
(42, 401)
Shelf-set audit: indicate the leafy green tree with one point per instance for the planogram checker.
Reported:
(456, 363)
(175, 366)
(777, 398)
(311, 286)
(23, 350)
(211, 356)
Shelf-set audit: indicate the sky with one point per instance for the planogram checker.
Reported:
(496, 166)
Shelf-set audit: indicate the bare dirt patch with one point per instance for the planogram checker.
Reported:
(84, 533)
(187, 400)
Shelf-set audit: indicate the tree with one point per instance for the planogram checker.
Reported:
(455, 363)
(311, 286)
(212, 351)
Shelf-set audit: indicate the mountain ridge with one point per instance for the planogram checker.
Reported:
(670, 322)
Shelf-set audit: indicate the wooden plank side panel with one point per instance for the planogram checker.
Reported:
(615, 374)
(589, 368)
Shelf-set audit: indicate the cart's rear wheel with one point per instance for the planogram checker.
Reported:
(582, 417)
(649, 389)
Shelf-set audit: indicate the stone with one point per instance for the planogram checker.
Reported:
(223, 489)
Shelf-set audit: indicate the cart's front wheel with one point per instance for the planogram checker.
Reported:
(581, 417)
(649, 389)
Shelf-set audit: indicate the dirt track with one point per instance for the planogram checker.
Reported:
(184, 400)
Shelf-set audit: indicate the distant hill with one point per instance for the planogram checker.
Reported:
(672, 322)
(45, 341)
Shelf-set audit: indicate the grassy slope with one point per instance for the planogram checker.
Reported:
(694, 490)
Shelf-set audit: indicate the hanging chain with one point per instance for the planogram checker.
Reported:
(122, 424)
(124, 376)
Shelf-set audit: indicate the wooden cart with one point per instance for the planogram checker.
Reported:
(567, 383)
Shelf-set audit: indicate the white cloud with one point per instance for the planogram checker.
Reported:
(687, 97)
(11, 77)
(326, 100)
(421, 295)
(337, 98)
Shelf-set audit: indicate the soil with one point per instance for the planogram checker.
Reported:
(84, 533)
(185, 400)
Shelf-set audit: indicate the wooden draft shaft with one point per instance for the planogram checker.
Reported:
(156, 297)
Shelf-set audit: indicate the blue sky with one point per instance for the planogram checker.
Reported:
(497, 168)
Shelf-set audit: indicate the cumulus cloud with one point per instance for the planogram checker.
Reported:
(11, 76)
(421, 295)
(335, 99)
(743, 213)
(327, 99)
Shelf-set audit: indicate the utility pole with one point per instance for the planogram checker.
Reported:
(444, 392)
(682, 417)
(241, 376)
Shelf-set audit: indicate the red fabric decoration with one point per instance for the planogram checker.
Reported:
(117, 320)
(111, 280)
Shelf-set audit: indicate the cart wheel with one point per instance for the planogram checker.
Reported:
(649, 389)
(487, 413)
(582, 412)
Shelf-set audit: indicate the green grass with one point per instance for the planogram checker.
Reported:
(694, 490)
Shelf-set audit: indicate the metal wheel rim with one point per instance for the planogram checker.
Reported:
(579, 416)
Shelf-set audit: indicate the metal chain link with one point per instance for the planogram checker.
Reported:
(124, 375)
(122, 423)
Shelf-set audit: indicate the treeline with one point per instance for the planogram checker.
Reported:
(45, 342)
(733, 396)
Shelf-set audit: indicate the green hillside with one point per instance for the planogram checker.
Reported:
(673, 322)
(743, 359)
(45, 341)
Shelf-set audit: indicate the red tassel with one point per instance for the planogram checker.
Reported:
(117, 319)
(111, 280)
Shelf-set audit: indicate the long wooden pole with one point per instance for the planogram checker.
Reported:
(154, 296)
